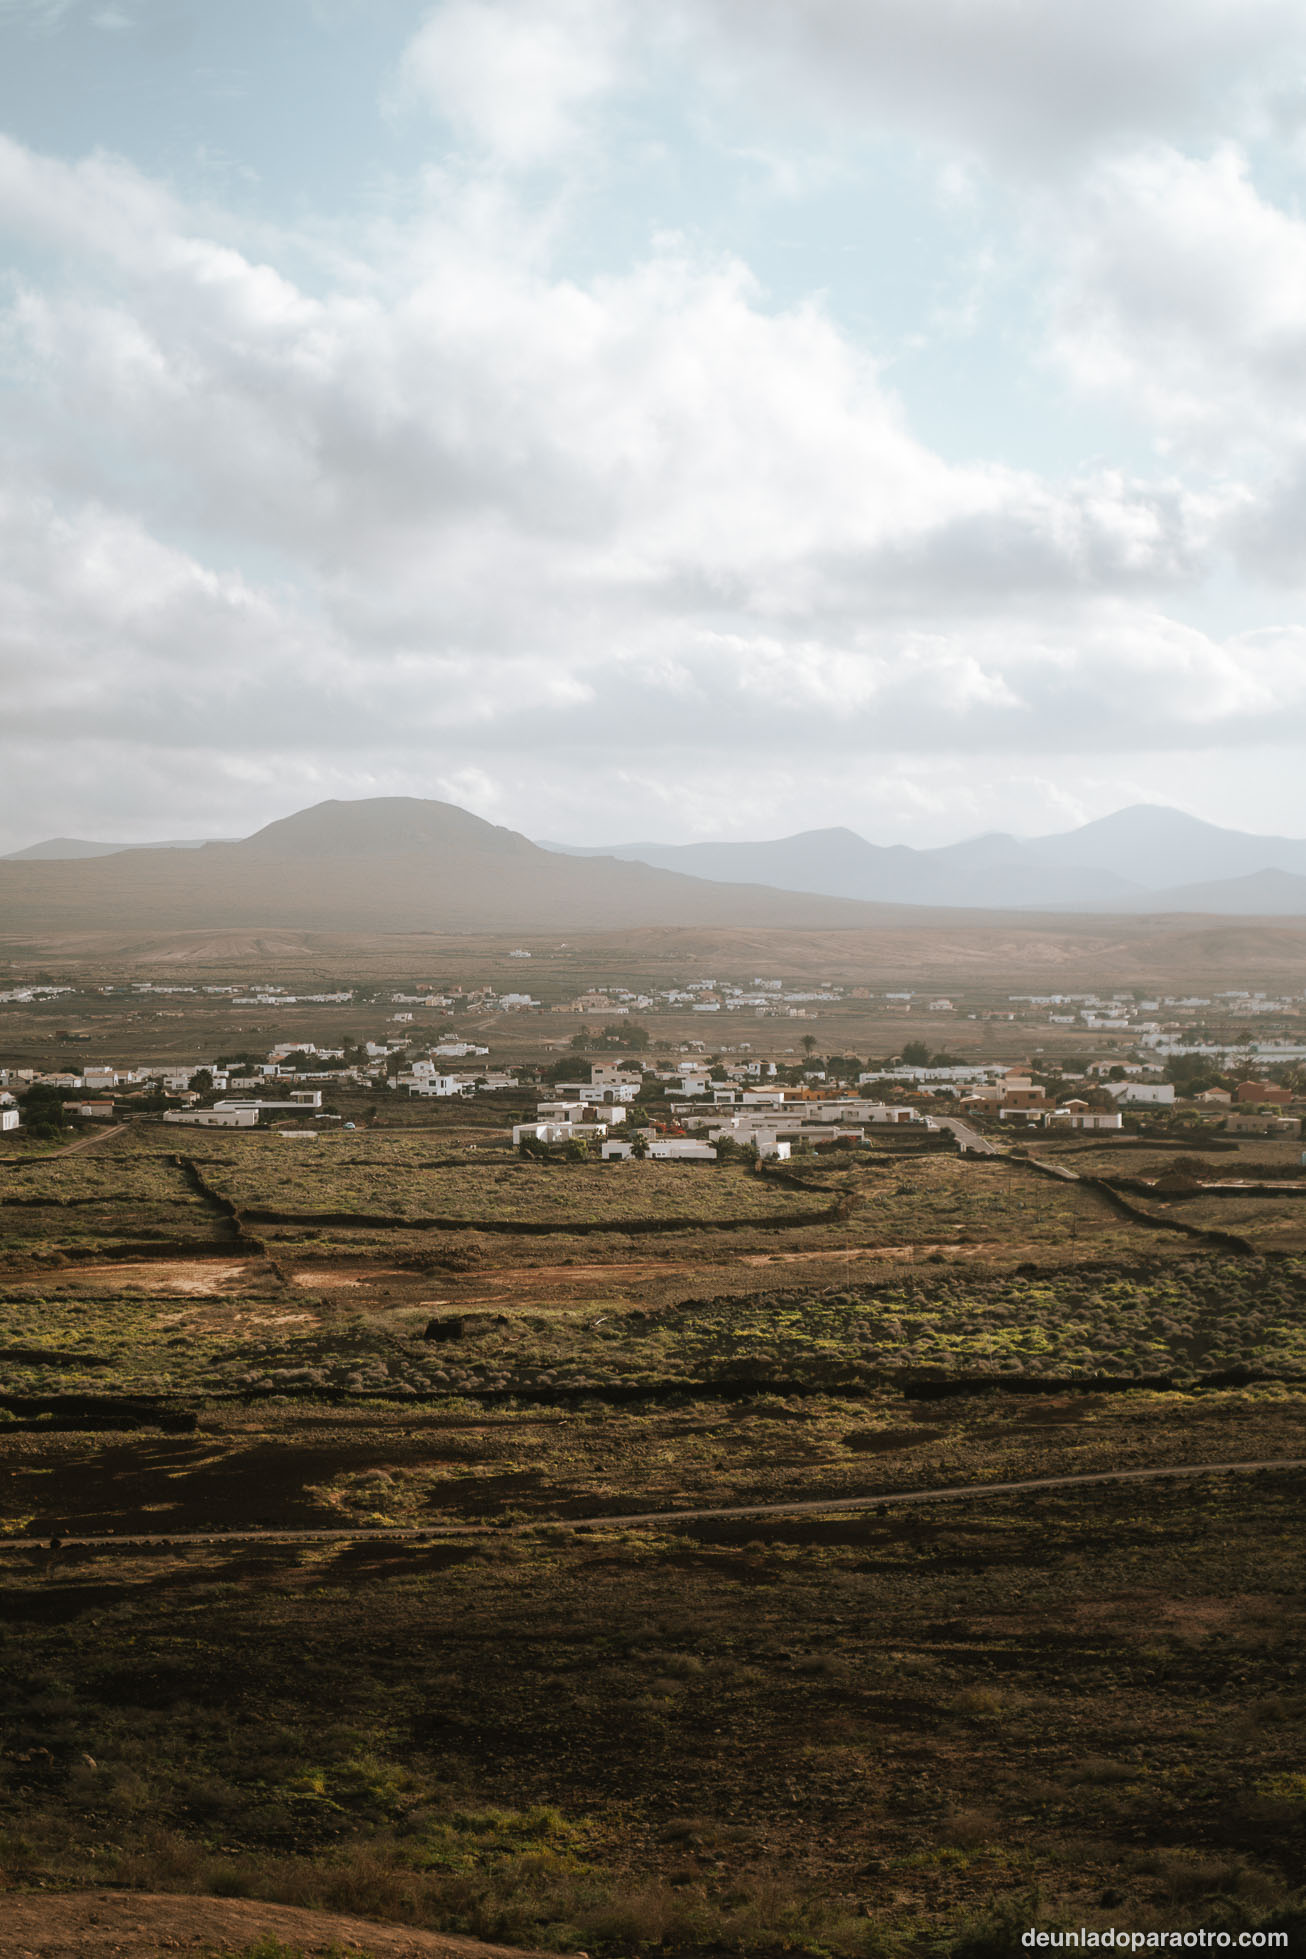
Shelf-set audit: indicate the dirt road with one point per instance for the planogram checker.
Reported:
(96, 1137)
(650, 1519)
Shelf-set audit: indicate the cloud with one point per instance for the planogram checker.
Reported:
(1016, 82)
(515, 78)
(1184, 293)
(1182, 300)
(453, 517)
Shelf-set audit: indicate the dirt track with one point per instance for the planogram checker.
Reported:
(624, 1520)
(146, 1925)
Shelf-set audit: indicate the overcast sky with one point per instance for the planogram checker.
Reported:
(716, 418)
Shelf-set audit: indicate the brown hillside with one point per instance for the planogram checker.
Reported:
(389, 864)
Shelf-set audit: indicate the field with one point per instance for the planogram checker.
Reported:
(918, 1731)
(914, 1729)
(400, 1179)
(81, 1205)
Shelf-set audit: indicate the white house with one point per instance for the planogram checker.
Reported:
(605, 1092)
(1078, 1115)
(746, 1129)
(8, 1119)
(581, 1112)
(298, 1100)
(680, 1149)
(557, 1132)
(606, 1074)
(423, 1079)
(1142, 1094)
(246, 1118)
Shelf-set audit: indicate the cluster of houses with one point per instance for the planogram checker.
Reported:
(751, 1108)
(701, 1106)
(763, 998)
(749, 1112)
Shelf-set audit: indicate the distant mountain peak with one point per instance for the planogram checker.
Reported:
(383, 826)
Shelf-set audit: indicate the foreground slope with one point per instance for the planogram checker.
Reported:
(141, 1925)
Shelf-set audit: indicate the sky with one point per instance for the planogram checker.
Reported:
(716, 419)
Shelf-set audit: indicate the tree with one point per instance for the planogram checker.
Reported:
(201, 1081)
(616, 1035)
(42, 1108)
(1191, 1073)
(916, 1055)
(639, 1147)
(809, 1045)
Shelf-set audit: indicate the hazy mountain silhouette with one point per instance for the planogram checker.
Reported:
(1144, 858)
(390, 864)
(55, 849)
(400, 864)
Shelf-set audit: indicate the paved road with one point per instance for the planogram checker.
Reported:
(653, 1519)
(968, 1138)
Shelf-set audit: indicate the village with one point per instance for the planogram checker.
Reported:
(1231, 1063)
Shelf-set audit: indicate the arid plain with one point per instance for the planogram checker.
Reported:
(343, 1476)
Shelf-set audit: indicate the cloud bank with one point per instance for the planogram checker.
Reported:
(297, 508)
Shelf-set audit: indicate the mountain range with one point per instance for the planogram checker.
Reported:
(400, 864)
(1147, 858)
(384, 864)
(59, 849)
